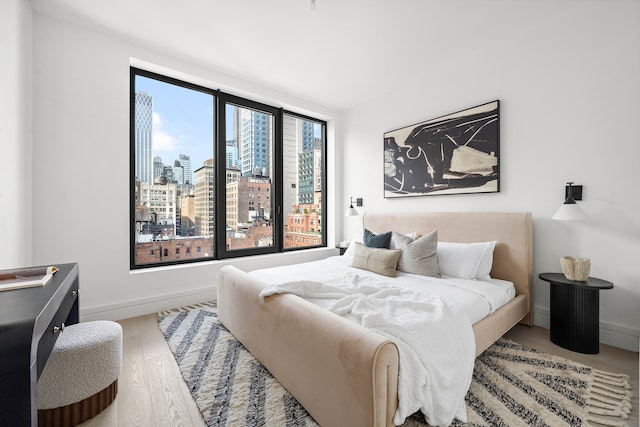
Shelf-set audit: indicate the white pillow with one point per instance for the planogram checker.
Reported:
(466, 260)
(352, 245)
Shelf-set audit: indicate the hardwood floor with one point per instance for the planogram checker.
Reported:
(151, 391)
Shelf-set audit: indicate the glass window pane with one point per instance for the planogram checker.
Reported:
(174, 176)
(249, 162)
(303, 159)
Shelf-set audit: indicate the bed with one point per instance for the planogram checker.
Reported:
(343, 373)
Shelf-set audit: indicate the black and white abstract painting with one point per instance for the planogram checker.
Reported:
(452, 154)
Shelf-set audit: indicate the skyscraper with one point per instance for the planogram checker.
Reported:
(144, 141)
(233, 160)
(158, 169)
(255, 142)
(204, 199)
(185, 162)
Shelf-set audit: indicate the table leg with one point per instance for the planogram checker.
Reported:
(575, 317)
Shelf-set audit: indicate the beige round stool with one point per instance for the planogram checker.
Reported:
(80, 378)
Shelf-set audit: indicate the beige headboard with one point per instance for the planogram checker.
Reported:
(513, 231)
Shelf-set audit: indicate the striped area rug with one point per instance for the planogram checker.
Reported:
(512, 385)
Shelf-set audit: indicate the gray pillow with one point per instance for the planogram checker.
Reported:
(399, 241)
(381, 261)
(421, 256)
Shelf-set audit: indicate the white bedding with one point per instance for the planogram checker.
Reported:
(436, 363)
(475, 299)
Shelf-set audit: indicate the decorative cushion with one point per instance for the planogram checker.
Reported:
(466, 260)
(378, 260)
(373, 240)
(420, 256)
(398, 241)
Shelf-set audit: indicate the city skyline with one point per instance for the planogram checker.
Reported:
(183, 122)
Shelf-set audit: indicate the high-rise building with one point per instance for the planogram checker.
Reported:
(158, 169)
(178, 172)
(233, 160)
(255, 143)
(248, 198)
(144, 141)
(307, 137)
(291, 134)
(204, 193)
(187, 215)
(185, 162)
(308, 162)
(161, 201)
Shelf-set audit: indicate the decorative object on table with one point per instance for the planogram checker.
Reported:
(511, 383)
(456, 153)
(25, 277)
(570, 210)
(577, 269)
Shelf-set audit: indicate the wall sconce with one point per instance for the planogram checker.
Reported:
(570, 210)
(353, 211)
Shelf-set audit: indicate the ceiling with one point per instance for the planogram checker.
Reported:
(344, 53)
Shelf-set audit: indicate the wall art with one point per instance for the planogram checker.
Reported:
(453, 154)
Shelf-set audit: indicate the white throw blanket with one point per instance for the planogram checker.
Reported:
(436, 345)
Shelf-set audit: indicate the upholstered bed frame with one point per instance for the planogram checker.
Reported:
(341, 372)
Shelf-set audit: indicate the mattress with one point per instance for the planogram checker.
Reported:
(474, 299)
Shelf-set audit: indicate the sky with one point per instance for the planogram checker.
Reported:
(183, 121)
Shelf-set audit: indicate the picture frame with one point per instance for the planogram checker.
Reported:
(453, 154)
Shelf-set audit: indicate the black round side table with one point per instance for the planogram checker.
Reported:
(575, 312)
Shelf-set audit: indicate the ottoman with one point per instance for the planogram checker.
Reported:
(80, 378)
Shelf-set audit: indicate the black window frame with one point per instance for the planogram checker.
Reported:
(220, 99)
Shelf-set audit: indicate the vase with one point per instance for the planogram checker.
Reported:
(576, 269)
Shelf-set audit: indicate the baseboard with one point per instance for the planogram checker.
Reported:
(610, 333)
(144, 306)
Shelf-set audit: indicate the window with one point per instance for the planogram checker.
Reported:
(304, 179)
(225, 175)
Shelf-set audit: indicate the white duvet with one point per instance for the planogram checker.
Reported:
(433, 334)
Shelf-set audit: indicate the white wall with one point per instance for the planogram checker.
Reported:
(15, 134)
(81, 170)
(567, 77)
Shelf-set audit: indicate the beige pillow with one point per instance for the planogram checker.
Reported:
(381, 261)
(421, 256)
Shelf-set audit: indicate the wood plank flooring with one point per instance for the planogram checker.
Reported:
(151, 391)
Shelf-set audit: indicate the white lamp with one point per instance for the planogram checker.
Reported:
(351, 211)
(570, 211)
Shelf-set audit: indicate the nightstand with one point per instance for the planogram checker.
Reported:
(575, 312)
(343, 249)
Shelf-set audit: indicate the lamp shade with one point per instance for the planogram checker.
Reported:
(569, 212)
(351, 211)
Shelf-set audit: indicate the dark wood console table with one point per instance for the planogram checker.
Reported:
(30, 321)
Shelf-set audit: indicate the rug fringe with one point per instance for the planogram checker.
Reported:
(609, 396)
(620, 380)
(605, 422)
(622, 406)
